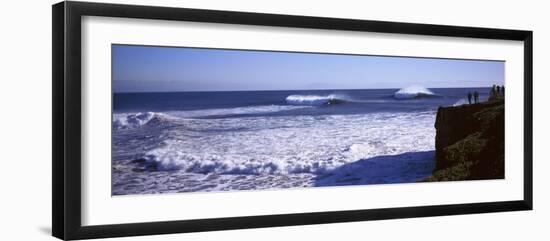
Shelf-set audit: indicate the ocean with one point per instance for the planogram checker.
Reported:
(253, 140)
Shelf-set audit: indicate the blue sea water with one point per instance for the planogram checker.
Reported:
(353, 101)
(249, 140)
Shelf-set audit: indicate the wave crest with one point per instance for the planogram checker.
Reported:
(133, 120)
(315, 100)
(413, 92)
(246, 110)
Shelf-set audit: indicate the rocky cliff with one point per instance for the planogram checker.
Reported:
(469, 142)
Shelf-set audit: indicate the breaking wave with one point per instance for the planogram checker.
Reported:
(225, 112)
(413, 92)
(133, 120)
(316, 100)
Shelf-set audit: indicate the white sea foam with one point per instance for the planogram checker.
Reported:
(315, 100)
(133, 120)
(263, 109)
(412, 92)
(289, 145)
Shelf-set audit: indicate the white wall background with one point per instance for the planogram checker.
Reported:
(25, 120)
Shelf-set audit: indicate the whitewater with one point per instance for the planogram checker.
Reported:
(280, 139)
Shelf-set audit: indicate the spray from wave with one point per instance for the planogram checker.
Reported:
(460, 102)
(133, 120)
(316, 100)
(413, 92)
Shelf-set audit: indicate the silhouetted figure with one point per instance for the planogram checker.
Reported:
(498, 89)
(470, 98)
(476, 96)
(494, 91)
(502, 90)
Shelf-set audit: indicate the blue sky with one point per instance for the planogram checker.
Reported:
(160, 69)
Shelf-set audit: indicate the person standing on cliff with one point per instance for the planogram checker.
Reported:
(470, 98)
(476, 96)
(498, 89)
(502, 90)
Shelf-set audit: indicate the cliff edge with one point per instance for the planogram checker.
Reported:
(469, 142)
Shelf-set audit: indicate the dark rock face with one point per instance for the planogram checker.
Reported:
(470, 142)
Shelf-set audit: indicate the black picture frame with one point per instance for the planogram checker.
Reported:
(66, 128)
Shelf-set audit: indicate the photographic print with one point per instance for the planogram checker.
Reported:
(209, 120)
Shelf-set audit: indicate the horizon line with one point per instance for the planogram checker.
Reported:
(198, 91)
